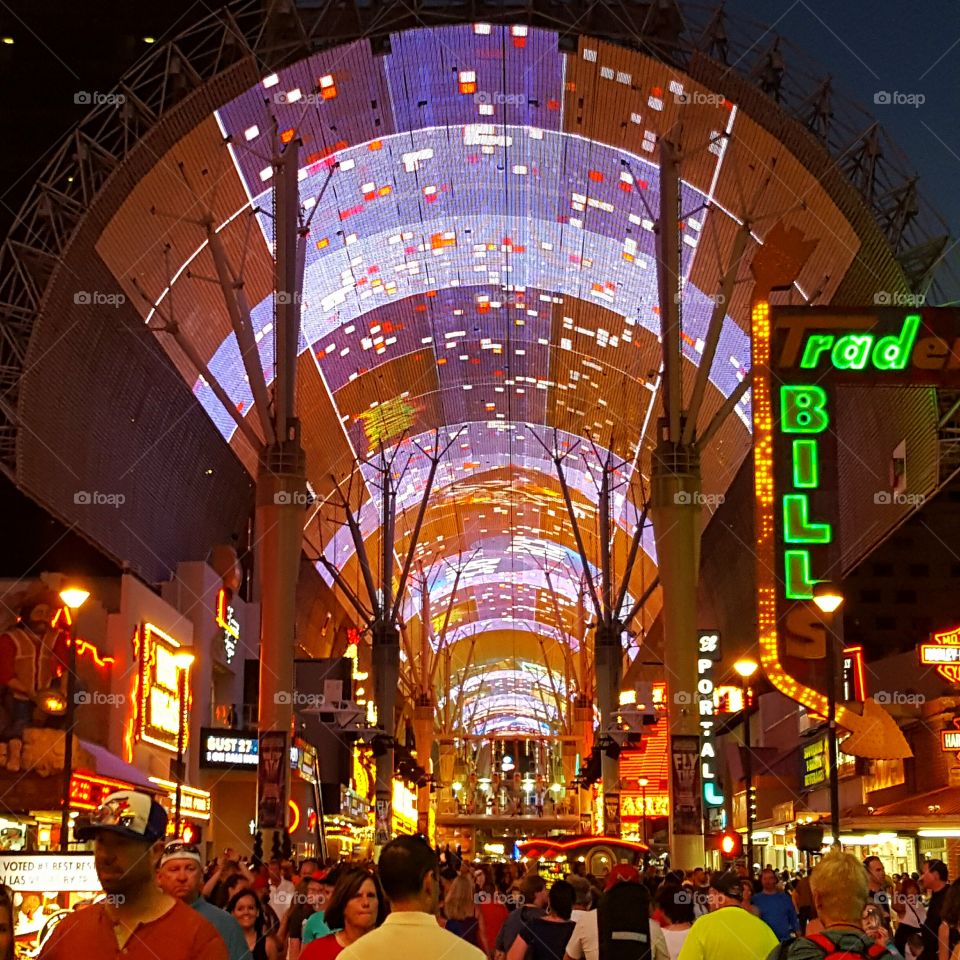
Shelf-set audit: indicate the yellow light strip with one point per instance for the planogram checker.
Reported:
(765, 545)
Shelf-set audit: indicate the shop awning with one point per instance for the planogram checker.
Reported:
(111, 766)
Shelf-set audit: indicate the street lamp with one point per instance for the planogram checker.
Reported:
(642, 783)
(746, 667)
(183, 660)
(828, 598)
(73, 598)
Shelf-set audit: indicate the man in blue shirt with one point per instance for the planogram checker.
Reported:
(181, 876)
(776, 907)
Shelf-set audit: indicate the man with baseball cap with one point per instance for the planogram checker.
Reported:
(181, 876)
(728, 929)
(137, 921)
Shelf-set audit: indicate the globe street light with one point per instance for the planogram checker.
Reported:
(73, 598)
(828, 598)
(184, 660)
(746, 667)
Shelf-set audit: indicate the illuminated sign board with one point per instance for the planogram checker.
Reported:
(854, 682)
(816, 763)
(64, 872)
(228, 749)
(158, 697)
(88, 791)
(708, 653)
(225, 749)
(228, 624)
(799, 356)
(950, 739)
(194, 803)
(944, 654)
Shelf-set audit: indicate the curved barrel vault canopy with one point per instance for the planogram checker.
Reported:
(480, 271)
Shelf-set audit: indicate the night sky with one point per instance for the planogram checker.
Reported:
(868, 45)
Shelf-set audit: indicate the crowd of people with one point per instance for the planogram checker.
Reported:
(160, 899)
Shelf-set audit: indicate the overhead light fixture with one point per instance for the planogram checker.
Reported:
(827, 596)
(746, 667)
(74, 597)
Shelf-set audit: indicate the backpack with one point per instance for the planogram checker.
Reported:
(830, 952)
(623, 923)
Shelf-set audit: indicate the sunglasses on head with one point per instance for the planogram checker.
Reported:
(179, 846)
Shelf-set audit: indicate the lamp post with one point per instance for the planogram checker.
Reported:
(746, 668)
(642, 783)
(73, 598)
(184, 661)
(828, 598)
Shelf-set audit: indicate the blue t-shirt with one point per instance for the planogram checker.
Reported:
(777, 912)
(227, 926)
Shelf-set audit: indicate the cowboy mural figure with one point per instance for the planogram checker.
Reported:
(33, 657)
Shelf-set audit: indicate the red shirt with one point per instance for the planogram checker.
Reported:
(180, 934)
(326, 948)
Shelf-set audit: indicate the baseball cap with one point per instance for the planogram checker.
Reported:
(127, 812)
(178, 850)
(625, 872)
(729, 883)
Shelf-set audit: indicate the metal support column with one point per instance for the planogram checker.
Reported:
(609, 656)
(386, 677)
(282, 483)
(424, 714)
(675, 509)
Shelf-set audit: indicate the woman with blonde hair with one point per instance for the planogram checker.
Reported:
(460, 909)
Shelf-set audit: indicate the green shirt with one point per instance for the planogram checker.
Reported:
(314, 927)
(728, 932)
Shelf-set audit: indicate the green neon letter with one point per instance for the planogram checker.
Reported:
(806, 464)
(797, 526)
(803, 409)
(852, 351)
(796, 567)
(892, 353)
(817, 343)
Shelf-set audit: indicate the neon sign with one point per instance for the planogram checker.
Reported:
(950, 739)
(229, 624)
(799, 355)
(87, 791)
(159, 708)
(944, 654)
(708, 653)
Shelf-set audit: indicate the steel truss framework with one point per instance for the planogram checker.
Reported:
(79, 169)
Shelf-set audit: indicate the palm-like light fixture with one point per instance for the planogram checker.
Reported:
(827, 596)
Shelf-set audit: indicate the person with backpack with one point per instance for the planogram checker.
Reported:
(623, 927)
(729, 930)
(840, 889)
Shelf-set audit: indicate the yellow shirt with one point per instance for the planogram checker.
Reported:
(409, 935)
(729, 932)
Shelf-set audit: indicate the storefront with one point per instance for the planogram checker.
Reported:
(46, 887)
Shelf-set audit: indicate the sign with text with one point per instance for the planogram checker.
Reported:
(708, 653)
(224, 749)
(800, 355)
(88, 791)
(685, 770)
(36, 872)
(159, 708)
(228, 624)
(272, 776)
(944, 654)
